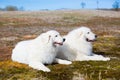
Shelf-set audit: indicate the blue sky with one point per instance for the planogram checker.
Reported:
(56, 4)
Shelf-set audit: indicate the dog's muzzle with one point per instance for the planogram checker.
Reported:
(88, 40)
(58, 43)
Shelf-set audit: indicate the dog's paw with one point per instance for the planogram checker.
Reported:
(67, 62)
(40, 67)
(45, 69)
(107, 59)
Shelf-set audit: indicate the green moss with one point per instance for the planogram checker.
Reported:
(92, 70)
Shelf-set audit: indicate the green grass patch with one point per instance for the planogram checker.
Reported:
(91, 70)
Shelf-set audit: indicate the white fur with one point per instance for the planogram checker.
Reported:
(39, 51)
(77, 48)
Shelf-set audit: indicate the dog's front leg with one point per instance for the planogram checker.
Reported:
(39, 66)
(60, 61)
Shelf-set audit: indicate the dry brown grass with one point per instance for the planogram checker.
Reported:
(52, 18)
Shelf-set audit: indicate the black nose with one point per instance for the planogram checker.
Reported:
(63, 39)
(95, 36)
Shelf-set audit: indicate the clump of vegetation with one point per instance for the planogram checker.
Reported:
(11, 8)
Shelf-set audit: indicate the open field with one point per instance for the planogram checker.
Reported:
(17, 26)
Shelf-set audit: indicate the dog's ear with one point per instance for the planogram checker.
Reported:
(45, 37)
(81, 33)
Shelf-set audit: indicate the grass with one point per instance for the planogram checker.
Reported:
(110, 46)
(91, 70)
(27, 25)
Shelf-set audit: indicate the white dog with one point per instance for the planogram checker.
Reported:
(78, 47)
(39, 51)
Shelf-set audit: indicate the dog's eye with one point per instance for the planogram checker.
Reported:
(88, 32)
(56, 35)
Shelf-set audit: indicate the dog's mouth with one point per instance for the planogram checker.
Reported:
(59, 43)
(88, 40)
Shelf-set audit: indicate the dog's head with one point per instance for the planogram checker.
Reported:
(52, 37)
(86, 34)
(89, 35)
